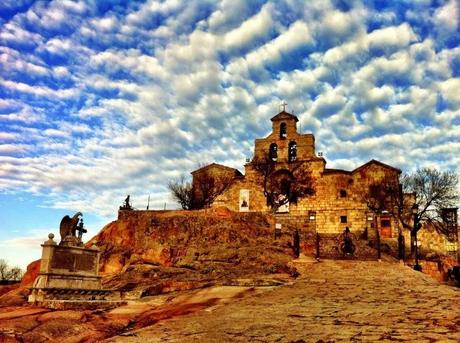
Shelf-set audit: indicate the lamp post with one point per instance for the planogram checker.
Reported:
(312, 218)
(401, 243)
(372, 219)
(414, 231)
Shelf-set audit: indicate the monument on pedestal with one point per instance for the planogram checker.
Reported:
(68, 270)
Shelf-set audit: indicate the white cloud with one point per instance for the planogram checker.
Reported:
(4, 136)
(447, 17)
(12, 148)
(297, 35)
(256, 27)
(42, 91)
(13, 33)
(392, 37)
(130, 60)
(379, 95)
(151, 9)
(14, 62)
(450, 90)
(228, 13)
(398, 36)
(328, 103)
(56, 14)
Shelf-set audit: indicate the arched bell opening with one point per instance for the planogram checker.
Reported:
(283, 131)
(273, 152)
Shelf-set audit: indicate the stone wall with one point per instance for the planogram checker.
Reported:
(432, 240)
(231, 196)
(211, 179)
(329, 202)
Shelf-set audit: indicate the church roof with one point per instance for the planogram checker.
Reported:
(335, 171)
(283, 115)
(218, 166)
(381, 164)
(341, 171)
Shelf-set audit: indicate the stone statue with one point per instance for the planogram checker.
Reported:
(81, 230)
(347, 247)
(126, 205)
(69, 226)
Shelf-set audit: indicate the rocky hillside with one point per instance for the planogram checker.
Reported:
(146, 252)
(153, 252)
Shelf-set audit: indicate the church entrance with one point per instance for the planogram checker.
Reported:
(385, 227)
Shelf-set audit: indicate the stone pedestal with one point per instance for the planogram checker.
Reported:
(67, 273)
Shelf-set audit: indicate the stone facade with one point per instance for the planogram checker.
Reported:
(209, 180)
(338, 197)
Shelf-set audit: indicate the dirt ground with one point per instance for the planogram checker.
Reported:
(331, 301)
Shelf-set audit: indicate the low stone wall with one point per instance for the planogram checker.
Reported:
(438, 267)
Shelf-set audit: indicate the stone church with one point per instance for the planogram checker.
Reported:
(288, 177)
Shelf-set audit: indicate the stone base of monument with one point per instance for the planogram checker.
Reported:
(75, 298)
(39, 295)
(69, 278)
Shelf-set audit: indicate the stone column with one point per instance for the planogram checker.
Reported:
(47, 254)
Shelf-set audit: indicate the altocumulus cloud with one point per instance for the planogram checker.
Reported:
(99, 100)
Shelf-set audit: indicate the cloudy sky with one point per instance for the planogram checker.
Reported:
(100, 99)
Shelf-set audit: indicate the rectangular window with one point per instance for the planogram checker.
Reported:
(343, 219)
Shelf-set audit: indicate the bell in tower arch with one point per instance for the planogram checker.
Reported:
(283, 131)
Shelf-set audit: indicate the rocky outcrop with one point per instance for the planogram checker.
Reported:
(144, 252)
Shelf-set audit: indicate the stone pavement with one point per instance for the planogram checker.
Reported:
(332, 301)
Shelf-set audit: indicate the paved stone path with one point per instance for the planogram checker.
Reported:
(332, 301)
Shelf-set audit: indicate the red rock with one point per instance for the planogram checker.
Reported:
(29, 276)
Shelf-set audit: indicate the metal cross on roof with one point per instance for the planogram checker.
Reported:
(284, 104)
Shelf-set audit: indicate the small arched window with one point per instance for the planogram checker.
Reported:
(273, 153)
(343, 193)
(292, 153)
(283, 131)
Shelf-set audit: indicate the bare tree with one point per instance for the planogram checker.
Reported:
(208, 188)
(385, 196)
(9, 274)
(432, 191)
(16, 273)
(3, 269)
(428, 189)
(181, 191)
(304, 184)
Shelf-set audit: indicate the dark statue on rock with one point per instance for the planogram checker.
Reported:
(68, 230)
(126, 205)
